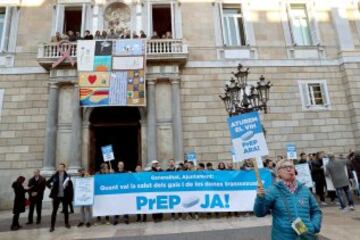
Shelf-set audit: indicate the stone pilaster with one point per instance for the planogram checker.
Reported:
(51, 129)
(177, 122)
(76, 133)
(151, 121)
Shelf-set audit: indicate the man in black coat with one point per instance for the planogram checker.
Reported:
(36, 194)
(61, 188)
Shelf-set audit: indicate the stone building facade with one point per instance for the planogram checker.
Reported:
(308, 49)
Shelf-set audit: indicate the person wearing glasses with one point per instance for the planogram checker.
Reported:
(296, 214)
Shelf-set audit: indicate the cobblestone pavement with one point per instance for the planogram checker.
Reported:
(337, 225)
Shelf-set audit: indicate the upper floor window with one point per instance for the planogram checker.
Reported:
(234, 34)
(162, 21)
(314, 95)
(300, 25)
(72, 19)
(2, 21)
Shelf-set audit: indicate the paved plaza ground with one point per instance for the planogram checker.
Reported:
(336, 226)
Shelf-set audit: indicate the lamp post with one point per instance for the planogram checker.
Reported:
(240, 97)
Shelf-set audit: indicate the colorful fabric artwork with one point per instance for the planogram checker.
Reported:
(129, 47)
(94, 79)
(111, 73)
(103, 48)
(102, 63)
(85, 55)
(136, 88)
(118, 88)
(126, 63)
(93, 97)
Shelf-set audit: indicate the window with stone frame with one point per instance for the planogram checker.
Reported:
(300, 25)
(2, 21)
(9, 18)
(74, 17)
(233, 25)
(314, 95)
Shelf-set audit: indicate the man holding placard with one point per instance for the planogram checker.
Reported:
(85, 197)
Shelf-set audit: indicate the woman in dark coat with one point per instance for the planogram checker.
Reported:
(318, 176)
(19, 202)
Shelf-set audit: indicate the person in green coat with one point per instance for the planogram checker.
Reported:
(296, 214)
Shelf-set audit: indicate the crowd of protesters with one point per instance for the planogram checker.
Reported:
(61, 187)
(111, 34)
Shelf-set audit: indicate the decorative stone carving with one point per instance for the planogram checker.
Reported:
(117, 16)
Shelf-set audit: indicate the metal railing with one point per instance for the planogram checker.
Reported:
(154, 47)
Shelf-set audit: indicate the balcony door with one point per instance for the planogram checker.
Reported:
(161, 19)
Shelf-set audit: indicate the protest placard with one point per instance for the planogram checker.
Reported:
(291, 151)
(329, 183)
(108, 153)
(304, 174)
(83, 191)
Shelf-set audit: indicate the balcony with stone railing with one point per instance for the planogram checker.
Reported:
(157, 51)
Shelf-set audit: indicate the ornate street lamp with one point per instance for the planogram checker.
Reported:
(241, 97)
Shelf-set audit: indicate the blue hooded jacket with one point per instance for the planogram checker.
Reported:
(285, 207)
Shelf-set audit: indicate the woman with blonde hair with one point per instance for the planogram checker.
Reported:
(296, 214)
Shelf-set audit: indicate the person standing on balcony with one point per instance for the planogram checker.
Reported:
(88, 35)
(112, 35)
(168, 35)
(142, 34)
(97, 35)
(71, 35)
(155, 35)
(56, 38)
(104, 35)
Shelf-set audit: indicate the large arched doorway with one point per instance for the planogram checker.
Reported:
(120, 127)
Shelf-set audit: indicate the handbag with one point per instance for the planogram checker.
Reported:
(27, 202)
(305, 236)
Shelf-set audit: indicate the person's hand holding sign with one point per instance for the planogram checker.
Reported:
(260, 191)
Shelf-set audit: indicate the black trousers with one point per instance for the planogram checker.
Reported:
(56, 202)
(38, 205)
(15, 221)
(319, 188)
(138, 217)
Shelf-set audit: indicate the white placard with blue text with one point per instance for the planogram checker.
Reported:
(83, 191)
(291, 151)
(247, 136)
(191, 156)
(108, 153)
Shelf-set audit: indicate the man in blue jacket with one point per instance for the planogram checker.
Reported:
(296, 214)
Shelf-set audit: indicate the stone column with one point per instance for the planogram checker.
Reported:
(51, 130)
(151, 122)
(177, 122)
(76, 133)
(138, 18)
